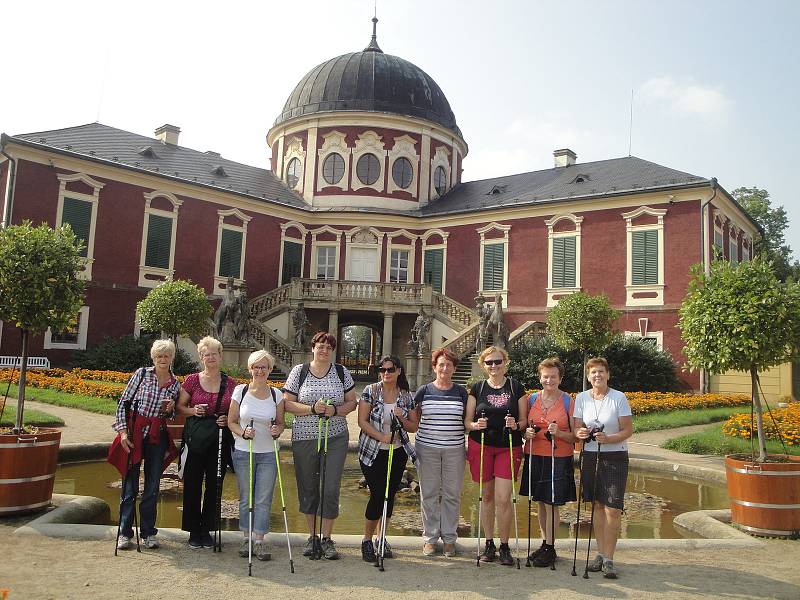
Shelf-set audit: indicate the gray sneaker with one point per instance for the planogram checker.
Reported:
(124, 543)
(261, 550)
(244, 548)
(329, 549)
(151, 543)
(609, 571)
(308, 549)
(596, 565)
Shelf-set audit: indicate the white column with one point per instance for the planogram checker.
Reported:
(310, 168)
(333, 322)
(388, 318)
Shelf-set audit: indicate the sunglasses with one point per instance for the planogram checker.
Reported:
(387, 369)
(491, 363)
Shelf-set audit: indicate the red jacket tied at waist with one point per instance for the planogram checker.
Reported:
(117, 455)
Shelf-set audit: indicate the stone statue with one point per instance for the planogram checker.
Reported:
(495, 325)
(300, 323)
(242, 332)
(225, 319)
(484, 312)
(420, 334)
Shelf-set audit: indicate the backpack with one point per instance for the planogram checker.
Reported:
(516, 388)
(461, 391)
(307, 367)
(564, 398)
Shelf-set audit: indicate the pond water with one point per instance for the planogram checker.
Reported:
(652, 501)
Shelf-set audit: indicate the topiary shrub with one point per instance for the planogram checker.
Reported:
(127, 353)
(636, 365)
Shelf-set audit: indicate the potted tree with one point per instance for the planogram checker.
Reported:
(743, 318)
(39, 288)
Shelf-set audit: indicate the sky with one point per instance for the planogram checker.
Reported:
(714, 84)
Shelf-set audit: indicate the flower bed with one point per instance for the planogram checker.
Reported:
(643, 403)
(787, 420)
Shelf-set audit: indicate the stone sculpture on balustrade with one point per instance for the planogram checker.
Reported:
(231, 319)
(300, 324)
(496, 329)
(419, 344)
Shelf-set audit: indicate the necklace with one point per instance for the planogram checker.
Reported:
(598, 410)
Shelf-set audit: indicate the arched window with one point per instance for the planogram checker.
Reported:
(333, 168)
(293, 173)
(402, 172)
(368, 168)
(440, 180)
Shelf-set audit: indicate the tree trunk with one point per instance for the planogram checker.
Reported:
(23, 371)
(761, 438)
(585, 374)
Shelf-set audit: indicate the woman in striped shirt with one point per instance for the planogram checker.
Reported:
(439, 411)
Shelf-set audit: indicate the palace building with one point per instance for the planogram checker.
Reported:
(364, 219)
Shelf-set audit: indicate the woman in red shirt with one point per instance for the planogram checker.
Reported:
(549, 417)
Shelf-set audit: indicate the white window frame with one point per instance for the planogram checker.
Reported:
(83, 330)
(220, 283)
(482, 231)
(441, 158)
(398, 268)
(317, 243)
(93, 199)
(295, 150)
(334, 142)
(718, 230)
(733, 246)
(746, 249)
(658, 288)
(369, 142)
(301, 240)
(331, 269)
(153, 276)
(658, 336)
(351, 243)
(409, 247)
(404, 148)
(443, 246)
(553, 293)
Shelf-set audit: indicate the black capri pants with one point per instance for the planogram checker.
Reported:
(612, 477)
(375, 474)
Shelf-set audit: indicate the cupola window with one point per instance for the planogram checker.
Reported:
(293, 173)
(440, 180)
(402, 172)
(333, 168)
(368, 168)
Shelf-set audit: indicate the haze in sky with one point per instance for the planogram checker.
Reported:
(715, 83)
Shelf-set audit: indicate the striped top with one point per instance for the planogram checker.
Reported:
(441, 423)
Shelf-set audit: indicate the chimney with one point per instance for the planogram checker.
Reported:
(168, 134)
(565, 157)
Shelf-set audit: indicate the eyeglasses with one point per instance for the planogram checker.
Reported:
(493, 362)
(260, 368)
(387, 369)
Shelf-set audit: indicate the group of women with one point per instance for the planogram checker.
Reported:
(510, 433)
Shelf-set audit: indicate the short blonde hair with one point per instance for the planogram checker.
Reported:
(162, 347)
(208, 343)
(260, 355)
(492, 350)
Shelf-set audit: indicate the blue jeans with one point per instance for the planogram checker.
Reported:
(153, 455)
(265, 471)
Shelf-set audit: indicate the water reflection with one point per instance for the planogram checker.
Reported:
(647, 518)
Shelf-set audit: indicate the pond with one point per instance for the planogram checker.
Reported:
(652, 501)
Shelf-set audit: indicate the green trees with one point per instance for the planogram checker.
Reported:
(176, 307)
(39, 285)
(582, 322)
(741, 318)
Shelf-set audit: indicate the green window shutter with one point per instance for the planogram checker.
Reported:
(159, 242)
(230, 253)
(433, 268)
(78, 213)
(564, 262)
(292, 255)
(493, 266)
(644, 260)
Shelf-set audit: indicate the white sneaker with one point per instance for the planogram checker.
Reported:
(150, 542)
(124, 543)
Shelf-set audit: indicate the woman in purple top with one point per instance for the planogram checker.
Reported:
(201, 399)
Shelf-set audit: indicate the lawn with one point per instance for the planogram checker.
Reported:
(32, 417)
(713, 441)
(682, 418)
(103, 406)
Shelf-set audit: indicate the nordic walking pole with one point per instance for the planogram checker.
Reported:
(536, 430)
(322, 477)
(316, 550)
(591, 518)
(578, 514)
(480, 493)
(382, 551)
(283, 502)
(218, 511)
(250, 507)
(513, 489)
(552, 493)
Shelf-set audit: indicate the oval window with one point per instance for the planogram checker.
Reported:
(293, 173)
(402, 172)
(333, 168)
(440, 180)
(368, 168)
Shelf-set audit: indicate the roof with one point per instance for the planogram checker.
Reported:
(102, 143)
(127, 150)
(369, 81)
(578, 181)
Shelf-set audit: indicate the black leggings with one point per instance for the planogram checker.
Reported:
(375, 474)
(199, 467)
